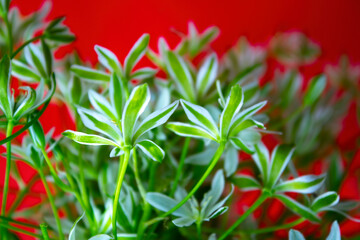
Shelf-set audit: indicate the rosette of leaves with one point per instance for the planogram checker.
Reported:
(192, 211)
(237, 128)
(111, 63)
(123, 131)
(333, 235)
(271, 170)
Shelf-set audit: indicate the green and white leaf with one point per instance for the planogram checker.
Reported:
(304, 184)
(152, 150)
(88, 139)
(188, 130)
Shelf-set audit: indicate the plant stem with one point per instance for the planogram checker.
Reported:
(9, 130)
(9, 32)
(44, 231)
(52, 204)
(181, 165)
(257, 203)
(137, 177)
(275, 228)
(10, 220)
(20, 230)
(25, 44)
(122, 169)
(198, 229)
(211, 166)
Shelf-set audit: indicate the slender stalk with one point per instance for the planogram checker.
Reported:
(10, 220)
(275, 228)
(9, 32)
(137, 176)
(25, 44)
(211, 166)
(52, 204)
(44, 231)
(122, 169)
(255, 205)
(9, 130)
(20, 230)
(198, 229)
(181, 165)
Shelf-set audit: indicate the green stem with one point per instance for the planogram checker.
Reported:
(181, 165)
(198, 229)
(20, 230)
(137, 176)
(9, 32)
(257, 203)
(83, 189)
(9, 130)
(44, 231)
(25, 44)
(52, 204)
(10, 220)
(275, 228)
(122, 169)
(211, 166)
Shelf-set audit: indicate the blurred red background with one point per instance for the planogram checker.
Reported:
(116, 25)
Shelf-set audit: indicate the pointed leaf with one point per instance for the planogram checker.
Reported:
(143, 73)
(232, 107)
(165, 203)
(72, 234)
(261, 158)
(314, 90)
(279, 160)
(231, 161)
(134, 107)
(136, 52)
(26, 103)
(200, 116)
(108, 59)
(89, 74)
(180, 73)
(5, 94)
(116, 93)
(241, 145)
(206, 75)
(325, 200)
(155, 119)
(188, 130)
(101, 104)
(23, 72)
(304, 184)
(246, 183)
(334, 232)
(88, 139)
(295, 235)
(298, 208)
(152, 150)
(98, 123)
(183, 221)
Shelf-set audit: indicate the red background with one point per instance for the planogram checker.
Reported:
(334, 25)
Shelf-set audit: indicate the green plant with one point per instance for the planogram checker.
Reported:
(136, 159)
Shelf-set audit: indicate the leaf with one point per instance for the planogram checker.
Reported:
(180, 73)
(135, 105)
(188, 130)
(26, 103)
(325, 200)
(200, 116)
(164, 203)
(232, 107)
(246, 183)
(101, 237)
(208, 36)
(248, 123)
(231, 161)
(89, 74)
(241, 145)
(136, 52)
(98, 123)
(245, 72)
(152, 150)
(217, 188)
(108, 59)
(36, 59)
(143, 73)
(279, 160)
(88, 139)
(47, 57)
(37, 135)
(334, 232)
(304, 184)
(5, 94)
(206, 75)
(245, 114)
(116, 93)
(261, 158)
(295, 235)
(101, 104)
(298, 208)
(219, 212)
(314, 90)
(23, 72)
(155, 119)
(183, 221)
(72, 234)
